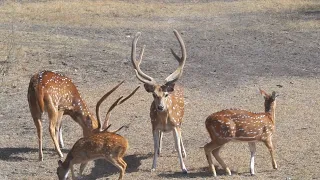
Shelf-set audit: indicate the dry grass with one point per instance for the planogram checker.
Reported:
(120, 13)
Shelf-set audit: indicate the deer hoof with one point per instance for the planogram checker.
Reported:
(228, 171)
(184, 171)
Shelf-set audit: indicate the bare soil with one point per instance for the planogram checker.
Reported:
(233, 47)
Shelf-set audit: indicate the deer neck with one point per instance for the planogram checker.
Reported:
(81, 112)
(66, 163)
(271, 112)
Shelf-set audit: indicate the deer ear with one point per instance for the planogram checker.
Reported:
(149, 88)
(274, 95)
(263, 93)
(169, 87)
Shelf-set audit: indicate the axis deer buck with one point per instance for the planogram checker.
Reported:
(56, 94)
(167, 108)
(101, 144)
(240, 125)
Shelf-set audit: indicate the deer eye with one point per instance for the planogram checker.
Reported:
(166, 94)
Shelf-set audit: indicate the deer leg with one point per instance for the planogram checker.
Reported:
(184, 154)
(36, 116)
(38, 123)
(119, 165)
(177, 142)
(53, 117)
(221, 162)
(270, 147)
(160, 142)
(208, 151)
(59, 129)
(124, 164)
(156, 134)
(252, 147)
(213, 148)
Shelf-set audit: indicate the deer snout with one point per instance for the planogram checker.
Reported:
(160, 108)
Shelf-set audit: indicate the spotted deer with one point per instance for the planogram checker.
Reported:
(56, 94)
(101, 144)
(167, 108)
(240, 125)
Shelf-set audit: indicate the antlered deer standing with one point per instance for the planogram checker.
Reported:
(101, 144)
(56, 94)
(240, 125)
(167, 108)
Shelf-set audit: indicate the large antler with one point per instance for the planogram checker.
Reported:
(178, 72)
(117, 102)
(136, 63)
(101, 100)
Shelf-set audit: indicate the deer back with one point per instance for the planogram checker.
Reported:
(60, 92)
(239, 125)
(98, 145)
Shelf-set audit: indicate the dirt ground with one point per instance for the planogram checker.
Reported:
(233, 47)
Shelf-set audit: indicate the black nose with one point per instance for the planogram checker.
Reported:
(160, 108)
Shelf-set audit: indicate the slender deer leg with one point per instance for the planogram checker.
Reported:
(177, 142)
(208, 151)
(160, 142)
(37, 122)
(82, 166)
(183, 150)
(123, 163)
(221, 162)
(156, 134)
(118, 164)
(59, 129)
(270, 147)
(36, 116)
(53, 115)
(252, 147)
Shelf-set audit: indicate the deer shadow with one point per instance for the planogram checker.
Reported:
(103, 168)
(195, 173)
(14, 154)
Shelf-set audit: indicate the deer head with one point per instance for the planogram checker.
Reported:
(160, 92)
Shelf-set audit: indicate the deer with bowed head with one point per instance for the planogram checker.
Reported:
(101, 144)
(167, 108)
(57, 95)
(240, 125)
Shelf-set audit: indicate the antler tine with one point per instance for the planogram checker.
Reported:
(136, 63)
(106, 121)
(131, 94)
(117, 102)
(178, 72)
(143, 79)
(102, 99)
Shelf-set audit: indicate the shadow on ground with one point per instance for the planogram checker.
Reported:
(103, 168)
(194, 173)
(17, 154)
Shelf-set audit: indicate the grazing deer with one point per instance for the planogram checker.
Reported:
(240, 125)
(56, 94)
(100, 144)
(167, 108)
